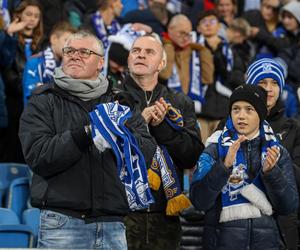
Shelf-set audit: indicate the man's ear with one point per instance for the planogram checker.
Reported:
(53, 39)
(162, 65)
(100, 64)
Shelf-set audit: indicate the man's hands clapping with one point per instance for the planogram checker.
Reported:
(155, 114)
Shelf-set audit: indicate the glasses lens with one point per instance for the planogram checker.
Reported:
(68, 51)
(84, 53)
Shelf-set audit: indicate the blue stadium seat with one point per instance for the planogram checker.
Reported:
(8, 216)
(18, 195)
(9, 172)
(13, 234)
(31, 217)
(16, 236)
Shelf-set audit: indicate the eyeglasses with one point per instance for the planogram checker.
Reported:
(212, 21)
(82, 52)
(184, 34)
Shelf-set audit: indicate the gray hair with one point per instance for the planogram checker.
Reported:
(86, 34)
(178, 19)
(157, 38)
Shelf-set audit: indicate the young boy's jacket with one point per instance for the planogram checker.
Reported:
(257, 233)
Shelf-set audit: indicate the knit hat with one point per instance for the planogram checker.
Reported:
(118, 54)
(126, 36)
(293, 8)
(266, 68)
(253, 94)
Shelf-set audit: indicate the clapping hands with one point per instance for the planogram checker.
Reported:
(155, 114)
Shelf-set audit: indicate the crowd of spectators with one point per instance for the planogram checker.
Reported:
(208, 47)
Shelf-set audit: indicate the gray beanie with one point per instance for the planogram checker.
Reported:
(293, 8)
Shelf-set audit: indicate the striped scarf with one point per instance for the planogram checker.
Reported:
(163, 171)
(108, 120)
(102, 31)
(243, 198)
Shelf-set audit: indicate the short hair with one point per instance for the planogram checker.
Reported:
(177, 18)
(86, 34)
(62, 27)
(156, 38)
(207, 13)
(241, 25)
(104, 4)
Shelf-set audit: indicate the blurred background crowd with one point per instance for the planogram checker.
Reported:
(209, 45)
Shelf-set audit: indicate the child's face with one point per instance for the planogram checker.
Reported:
(57, 43)
(225, 8)
(269, 9)
(273, 90)
(208, 26)
(289, 22)
(245, 119)
(234, 36)
(31, 16)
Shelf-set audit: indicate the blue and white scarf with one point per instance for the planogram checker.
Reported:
(102, 31)
(228, 54)
(48, 65)
(27, 48)
(109, 119)
(241, 197)
(163, 171)
(196, 90)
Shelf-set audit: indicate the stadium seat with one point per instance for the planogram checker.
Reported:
(31, 217)
(8, 216)
(9, 172)
(13, 234)
(17, 195)
(16, 236)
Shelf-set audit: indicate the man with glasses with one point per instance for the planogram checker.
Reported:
(77, 187)
(189, 65)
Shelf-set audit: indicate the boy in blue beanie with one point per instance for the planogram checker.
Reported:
(269, 74)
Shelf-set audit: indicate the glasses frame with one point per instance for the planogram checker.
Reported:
(89, 52)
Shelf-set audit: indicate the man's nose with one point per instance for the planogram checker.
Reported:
(142, 53)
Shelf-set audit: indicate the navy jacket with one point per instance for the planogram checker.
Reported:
(258, 233)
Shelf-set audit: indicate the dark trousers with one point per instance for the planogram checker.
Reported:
(151, 231)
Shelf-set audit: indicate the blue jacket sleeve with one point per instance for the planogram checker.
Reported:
(31, 76)
(209, 178)
(281, 186)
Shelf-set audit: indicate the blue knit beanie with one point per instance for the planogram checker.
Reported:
(266, 68)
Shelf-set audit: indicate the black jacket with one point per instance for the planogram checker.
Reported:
(183, 146)
(70, 175)
(287, 131)
(258, 233)
(216, 105)
(264, 37)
